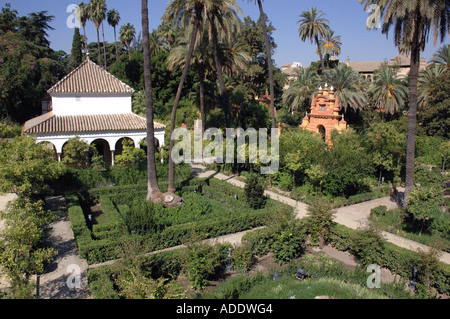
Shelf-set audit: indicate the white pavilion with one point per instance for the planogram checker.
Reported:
(92, 104)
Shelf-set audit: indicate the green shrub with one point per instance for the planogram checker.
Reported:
(201, 261)
(254, 192)
(378, 211)
(241, 258)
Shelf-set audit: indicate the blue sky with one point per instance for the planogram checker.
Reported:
(346, 17)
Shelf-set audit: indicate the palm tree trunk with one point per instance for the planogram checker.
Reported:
(223, 91)
(85, 40)
(99, 57)
(171, 188)
(115, 44)
(269, 63)
(320, 53)
(412, 123)
(201, 73)
(153, 187)
(104, 46)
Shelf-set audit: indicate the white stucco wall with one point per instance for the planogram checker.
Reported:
(91, 104)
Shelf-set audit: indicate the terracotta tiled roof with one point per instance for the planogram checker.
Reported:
(370, 66)
(51, 124)
(90, 78)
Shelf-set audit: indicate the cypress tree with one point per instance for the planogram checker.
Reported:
(77, 54)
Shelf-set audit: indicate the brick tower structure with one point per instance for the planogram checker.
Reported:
(324, 116)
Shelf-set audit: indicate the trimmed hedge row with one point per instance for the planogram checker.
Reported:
(227, 215)
(337, 202)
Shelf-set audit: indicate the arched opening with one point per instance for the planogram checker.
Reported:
(321, 130)
(51, 146)
(104, 150)
(119, 145)
(143, 145)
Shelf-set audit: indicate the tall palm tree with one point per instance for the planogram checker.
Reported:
(113, 20)
(195, 14)
(223, 22)
(300, 92)
(182, 13)
(97, 9)
(313, 27)
(330, 45)
(154, 193)
(348, 86)
(126, 36)
(389, 92)
(268, 47)
(83, 17)
(412, 21)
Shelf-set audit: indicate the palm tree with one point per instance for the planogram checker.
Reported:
(425, 81)
(300, 92)
(196, 14)
(442, 56)
(330, 45)
(97, 9)
(412, 22)
(262, 18)
(126, 36)
(223, 22)
(83, 17)
(154, 193)
(182, 13)
(313, 27)
(389, 92)
(348, 86)
(113, 20)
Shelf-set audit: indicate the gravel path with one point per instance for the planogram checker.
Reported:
(68, 269)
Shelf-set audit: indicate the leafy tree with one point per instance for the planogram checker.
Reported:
(21, 251)
(386, 146)
(300, 150)
(26, 168)
(81, 155)
(320, 220)
(346, 164)
(131, 156)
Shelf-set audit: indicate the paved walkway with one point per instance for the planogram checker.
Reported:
(354, 216)
(67, 267)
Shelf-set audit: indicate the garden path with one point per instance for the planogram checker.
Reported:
(67, 267)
